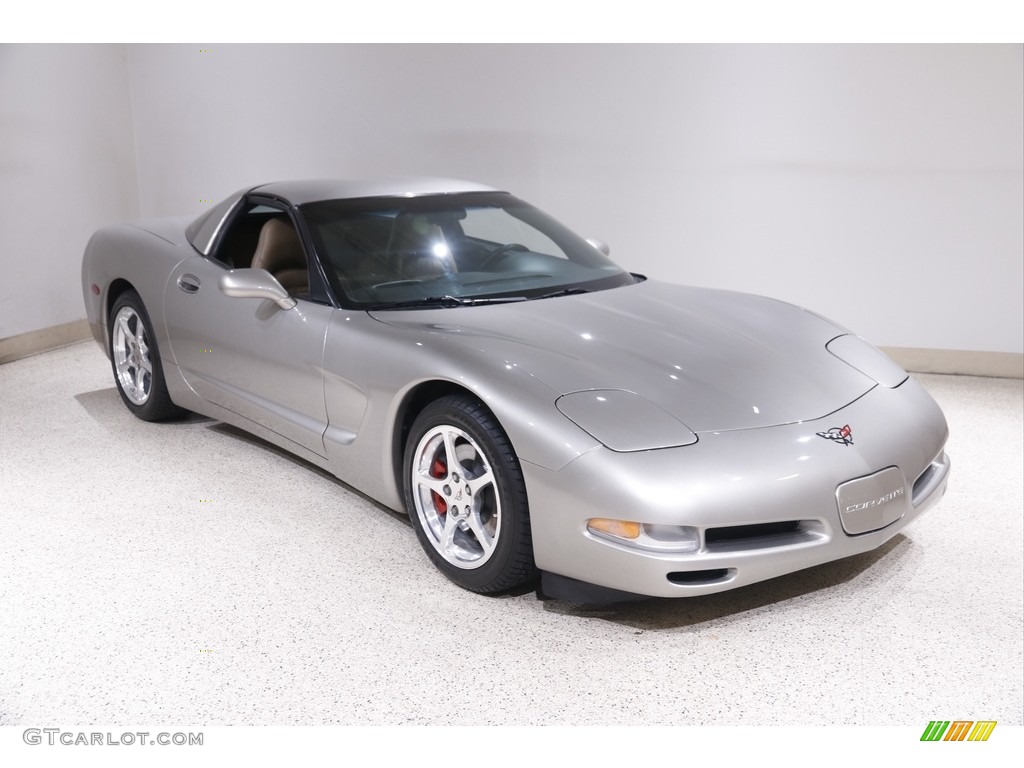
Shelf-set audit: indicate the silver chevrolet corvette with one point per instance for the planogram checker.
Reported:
(456, 353)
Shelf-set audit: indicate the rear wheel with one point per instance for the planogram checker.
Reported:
(136, 361)
(465, 493)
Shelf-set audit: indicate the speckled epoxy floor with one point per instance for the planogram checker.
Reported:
(187, 573)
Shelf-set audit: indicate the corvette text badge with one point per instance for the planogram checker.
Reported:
(872, 502)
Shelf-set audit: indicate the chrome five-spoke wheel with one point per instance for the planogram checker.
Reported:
(136, 362)
(466, 496)
(130, 348)
(456, 501)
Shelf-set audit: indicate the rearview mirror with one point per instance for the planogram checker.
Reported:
(255, 284)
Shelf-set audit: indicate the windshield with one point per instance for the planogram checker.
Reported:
(451, 250)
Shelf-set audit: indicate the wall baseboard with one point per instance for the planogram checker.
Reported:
(1004, 365)
(43, 340)
(1007, 365)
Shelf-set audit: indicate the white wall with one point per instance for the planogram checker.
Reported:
(883, 186)
(67, 167)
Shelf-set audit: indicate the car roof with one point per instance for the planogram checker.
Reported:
(202, 232)
(311, 190)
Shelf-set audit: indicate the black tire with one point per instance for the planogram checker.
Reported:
(479, 537)
(135, 361)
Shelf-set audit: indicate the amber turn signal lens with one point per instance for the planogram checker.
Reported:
(621, 529)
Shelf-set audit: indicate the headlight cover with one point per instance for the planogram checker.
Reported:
(624, 421)
(873, 363)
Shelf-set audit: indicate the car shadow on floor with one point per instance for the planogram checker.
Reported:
(106, 407)
(240, 434)
(673, 613)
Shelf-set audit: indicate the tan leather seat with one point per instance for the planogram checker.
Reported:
(279, 251)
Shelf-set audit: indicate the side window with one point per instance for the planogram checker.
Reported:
(264, 237)
(498, 228)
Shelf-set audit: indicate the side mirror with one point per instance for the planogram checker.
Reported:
(255, 284)
(601, 245)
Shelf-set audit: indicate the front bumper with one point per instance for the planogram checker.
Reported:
(765, 502)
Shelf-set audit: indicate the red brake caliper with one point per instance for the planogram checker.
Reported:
(438, 470)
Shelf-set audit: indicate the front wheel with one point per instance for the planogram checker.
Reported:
(465, 493)
(136, 361)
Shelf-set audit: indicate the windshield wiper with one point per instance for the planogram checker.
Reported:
(445, 301)
(563, 292)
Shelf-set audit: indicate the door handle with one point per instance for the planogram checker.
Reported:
(188, 283)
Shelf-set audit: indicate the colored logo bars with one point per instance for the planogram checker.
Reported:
(958, 730)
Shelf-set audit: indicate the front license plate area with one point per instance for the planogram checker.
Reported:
(869, 503)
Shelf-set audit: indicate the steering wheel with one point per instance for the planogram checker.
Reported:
(501, 252)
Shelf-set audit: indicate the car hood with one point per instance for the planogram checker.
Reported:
(715, 360)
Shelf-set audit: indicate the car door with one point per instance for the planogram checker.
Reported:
(249, 355)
